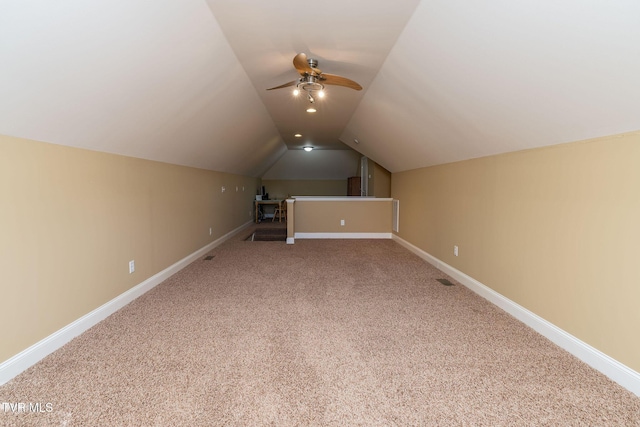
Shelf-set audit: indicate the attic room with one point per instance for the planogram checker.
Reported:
(508, 135)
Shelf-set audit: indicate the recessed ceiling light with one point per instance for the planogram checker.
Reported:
(311, 110)
(307, 149)
(298, 135)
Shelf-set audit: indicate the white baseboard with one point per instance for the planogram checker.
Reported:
(342, 236)
(30, 356)
(622, 374)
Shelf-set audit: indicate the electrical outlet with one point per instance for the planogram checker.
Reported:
(455, 250)
(236, 188)
(224, 189)
(210, 231)
(132, 266)
(342, 222)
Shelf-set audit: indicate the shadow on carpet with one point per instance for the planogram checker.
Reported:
(268, 235)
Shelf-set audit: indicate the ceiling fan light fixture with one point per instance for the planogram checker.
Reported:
(298, 135)
(307, 148)
(313, 79)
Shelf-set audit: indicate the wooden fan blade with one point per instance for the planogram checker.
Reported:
(284, 85)
(301, 64)
(332, 79)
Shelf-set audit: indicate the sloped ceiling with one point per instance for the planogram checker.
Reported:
(469, 79)
(349, 38)
(185, 81)
(156, 80)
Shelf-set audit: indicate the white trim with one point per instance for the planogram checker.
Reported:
(395, 216)
(622, 374)
(364, 174)
(38, 351)
(342, 199)
(342, 235)
(291, 240)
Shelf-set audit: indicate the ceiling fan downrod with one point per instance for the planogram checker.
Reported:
(313, 63)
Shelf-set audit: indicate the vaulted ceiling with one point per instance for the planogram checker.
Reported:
(185, 81)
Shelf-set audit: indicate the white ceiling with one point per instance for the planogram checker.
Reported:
(349, 38)
(469, 79)
(155, 80)
(185, 81)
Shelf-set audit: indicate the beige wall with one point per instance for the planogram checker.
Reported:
(281, 188)
(361, 216)
(71, 219)
(557, 230)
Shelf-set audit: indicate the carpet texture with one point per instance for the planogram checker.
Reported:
(320, 333)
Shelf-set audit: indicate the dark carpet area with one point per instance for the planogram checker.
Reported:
(268, 235)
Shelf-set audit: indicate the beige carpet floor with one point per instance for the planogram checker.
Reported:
(320, 333)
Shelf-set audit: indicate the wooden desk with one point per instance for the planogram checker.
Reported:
(267, 202)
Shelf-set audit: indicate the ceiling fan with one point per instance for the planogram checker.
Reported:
(313, 79)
